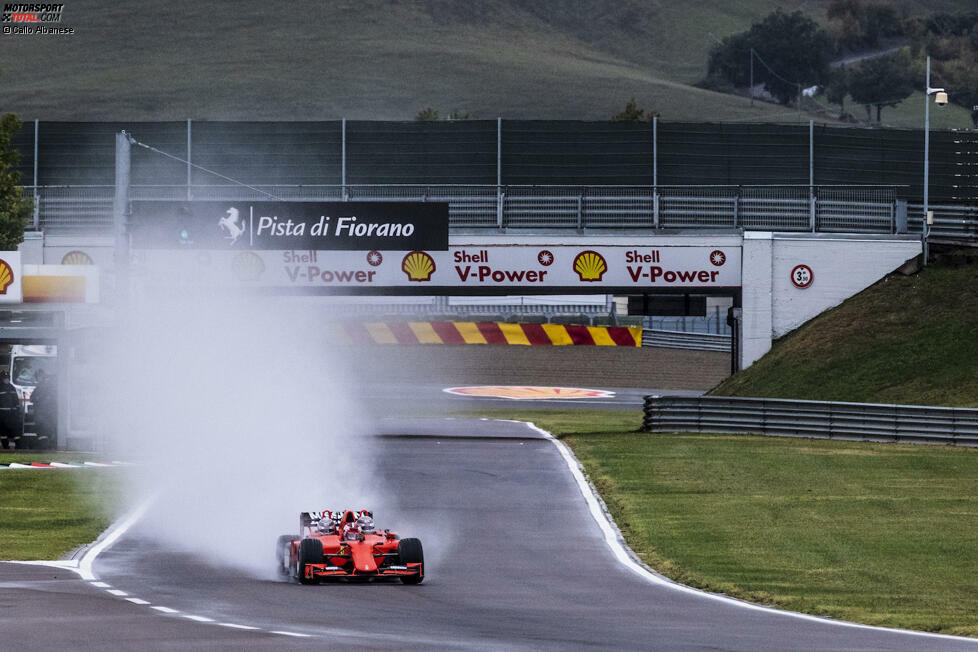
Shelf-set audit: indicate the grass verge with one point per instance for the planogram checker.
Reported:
(906, 339)
(881, 534)
(44, 514)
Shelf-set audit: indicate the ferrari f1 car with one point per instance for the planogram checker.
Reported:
(347, 545)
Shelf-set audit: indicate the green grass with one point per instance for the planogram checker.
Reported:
(882, 534)
(380, 60)
(44, 514)
(906, 339)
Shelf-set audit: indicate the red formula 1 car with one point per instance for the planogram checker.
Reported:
(346, 545)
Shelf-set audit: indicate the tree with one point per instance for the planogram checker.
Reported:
(884, 81)
(15, 210)
(857, 25)
(631, 113)
(427, 114)
(792, 51)
(837, 88)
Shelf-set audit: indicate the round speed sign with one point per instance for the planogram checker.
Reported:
(802, 276)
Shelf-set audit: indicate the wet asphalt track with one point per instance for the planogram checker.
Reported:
(521, 565)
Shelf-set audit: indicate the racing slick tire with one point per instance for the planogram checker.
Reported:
(282, 553)
(310, 552)
(411, 552)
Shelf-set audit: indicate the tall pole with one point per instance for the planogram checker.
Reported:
(189, 158)
(751, 56)
(120, 210)
(37, 209)
(343, 156)
(923, 228)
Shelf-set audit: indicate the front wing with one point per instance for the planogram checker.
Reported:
(319, 571)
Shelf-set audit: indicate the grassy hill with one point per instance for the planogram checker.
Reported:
(386, 59)
(906, 339)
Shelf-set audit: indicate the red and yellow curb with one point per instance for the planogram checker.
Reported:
(471, 332)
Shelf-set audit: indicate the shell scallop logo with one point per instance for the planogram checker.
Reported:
(418, 265)
(590, 266)
(248, 266)
(6, 276)
(76, 258)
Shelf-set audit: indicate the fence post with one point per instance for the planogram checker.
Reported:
(811, 207)
(499, 151)
(343, 158)
(189, 158)
(736, 215)
(37, 212)
(580, 210)
(811, 174)
(500, 201)
(655, 171)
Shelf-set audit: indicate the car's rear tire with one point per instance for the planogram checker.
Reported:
(282, 553)
(411, 552)
(310, 552)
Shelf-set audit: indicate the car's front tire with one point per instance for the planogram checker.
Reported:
(411, 552)
(310, 552)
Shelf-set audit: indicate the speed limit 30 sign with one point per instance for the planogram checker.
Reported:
(802, 276)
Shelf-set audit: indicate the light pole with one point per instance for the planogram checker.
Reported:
(940, 97)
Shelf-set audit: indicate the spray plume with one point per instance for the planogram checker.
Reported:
(237, 415)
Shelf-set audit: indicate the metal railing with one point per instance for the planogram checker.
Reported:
(587, 313)
(952, 224)
(778, 208)
(682, 340)
(816, 419)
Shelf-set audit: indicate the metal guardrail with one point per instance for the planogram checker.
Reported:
(682, 340)
(952, 224)
(780, 208)
(816, 419)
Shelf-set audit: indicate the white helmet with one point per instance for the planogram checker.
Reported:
(366, 524)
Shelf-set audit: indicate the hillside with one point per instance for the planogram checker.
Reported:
(386, 59)
(906, 339)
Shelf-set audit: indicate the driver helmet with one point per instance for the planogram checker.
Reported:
(350, 532)
(326, 525)
(366, 524)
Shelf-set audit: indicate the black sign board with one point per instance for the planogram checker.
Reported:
(280, 225)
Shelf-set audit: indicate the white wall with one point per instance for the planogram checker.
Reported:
(842, 268)
(757, 295)
(842, 265)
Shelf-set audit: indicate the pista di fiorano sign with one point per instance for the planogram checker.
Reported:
(273, 225)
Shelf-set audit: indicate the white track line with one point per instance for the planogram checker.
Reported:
(627, 558)
(199, 619)
(110, 537)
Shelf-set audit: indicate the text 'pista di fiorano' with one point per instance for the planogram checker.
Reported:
(342, 227)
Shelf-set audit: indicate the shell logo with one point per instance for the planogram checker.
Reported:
(76, 258)
(6, 276)
(248, 266)
(418, 265)
(526, 392)
(590, 266)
